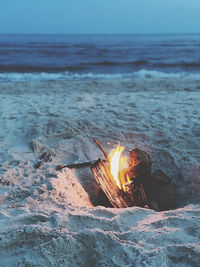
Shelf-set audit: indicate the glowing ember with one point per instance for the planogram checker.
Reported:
(118, 163)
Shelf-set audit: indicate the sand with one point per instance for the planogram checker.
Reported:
(52, 218)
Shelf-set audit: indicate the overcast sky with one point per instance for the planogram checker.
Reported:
(99, 16)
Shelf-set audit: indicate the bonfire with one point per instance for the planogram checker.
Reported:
(128, 181)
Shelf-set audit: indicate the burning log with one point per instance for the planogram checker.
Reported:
(105, 180)
(139, 171)
(131, 194)
(126, 187)
(141, 161)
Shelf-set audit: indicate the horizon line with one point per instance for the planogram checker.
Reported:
(170, 33)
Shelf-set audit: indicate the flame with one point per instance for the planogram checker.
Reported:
(118, 163)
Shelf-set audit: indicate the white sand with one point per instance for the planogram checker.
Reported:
(49, 218)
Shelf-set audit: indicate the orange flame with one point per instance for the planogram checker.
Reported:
(118, 163)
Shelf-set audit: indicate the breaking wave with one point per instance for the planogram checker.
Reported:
(64, 76)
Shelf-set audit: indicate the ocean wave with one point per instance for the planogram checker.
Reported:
(23, 69)
(44, 76)
(115, 63)
(108, 66)
(192, 64)
(178, 45)
(35, 45)
(70, 67)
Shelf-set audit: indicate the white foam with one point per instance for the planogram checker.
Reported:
(159, 74)
(44, 76)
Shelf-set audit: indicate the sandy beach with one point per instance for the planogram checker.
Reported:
(52, 218)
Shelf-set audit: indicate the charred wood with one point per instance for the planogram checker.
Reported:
(106, 182)
(162, 190)
(76, 165)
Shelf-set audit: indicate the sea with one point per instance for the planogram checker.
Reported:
(65, 57)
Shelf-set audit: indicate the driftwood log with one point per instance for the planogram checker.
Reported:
(76, 165)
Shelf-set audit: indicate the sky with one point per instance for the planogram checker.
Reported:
(99, 16)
